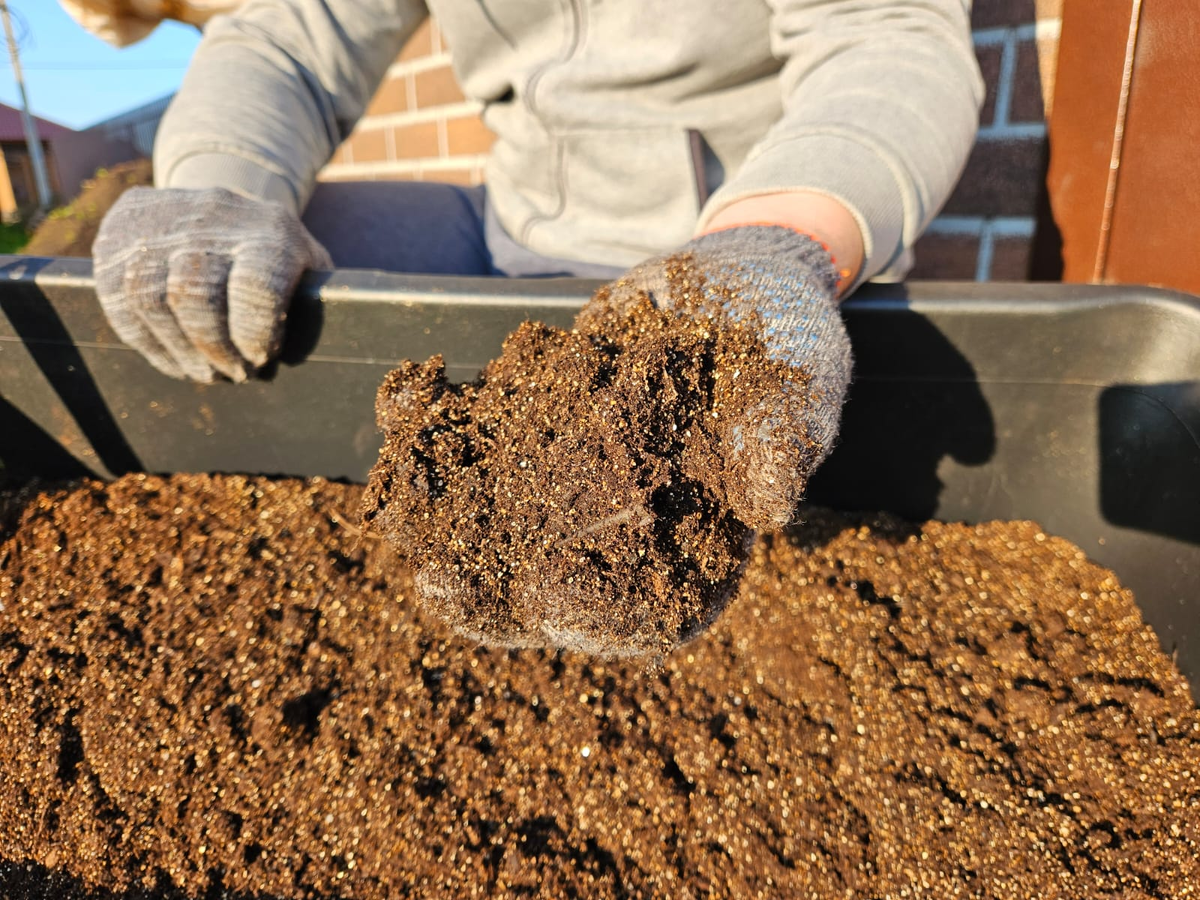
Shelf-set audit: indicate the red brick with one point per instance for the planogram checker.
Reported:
(1002, 178)
(995, 13)
(392, 97)
(437, 87)
(948, 257)
(341, 156)
(419, 45)
(418, 141)
(368, 145)
(468, 136)
(1027, 98)
(1011, 256)
(989, 66)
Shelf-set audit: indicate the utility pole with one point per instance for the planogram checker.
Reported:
(32, 139)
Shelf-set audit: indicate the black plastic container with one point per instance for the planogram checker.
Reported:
(1075, 406)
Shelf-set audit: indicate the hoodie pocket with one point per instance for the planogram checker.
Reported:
(627, 194)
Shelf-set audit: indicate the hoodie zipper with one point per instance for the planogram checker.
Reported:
(574, 38)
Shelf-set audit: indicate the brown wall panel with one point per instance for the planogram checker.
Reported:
(1152, 232)
(1087, 93)
(1156, 220)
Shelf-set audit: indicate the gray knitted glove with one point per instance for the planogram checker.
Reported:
(788, 284)
(199, 281)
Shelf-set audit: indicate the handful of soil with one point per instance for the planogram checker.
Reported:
(582, 492)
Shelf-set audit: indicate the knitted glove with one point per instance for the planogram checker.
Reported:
(199, 281)
(786, 284)
(612, 547)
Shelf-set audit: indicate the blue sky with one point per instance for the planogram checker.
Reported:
(77, 79)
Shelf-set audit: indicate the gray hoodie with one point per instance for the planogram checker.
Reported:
(622, 125)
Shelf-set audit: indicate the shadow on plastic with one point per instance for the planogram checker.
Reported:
(915, 400)
(1150, 458)
(48, 341)
(28, 450)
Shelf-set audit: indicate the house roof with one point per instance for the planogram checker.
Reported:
(12, 130)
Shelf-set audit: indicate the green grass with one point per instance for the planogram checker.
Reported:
(12, 238)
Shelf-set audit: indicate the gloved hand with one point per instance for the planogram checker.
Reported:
(785, 285)
(199, 281)
(596, 490)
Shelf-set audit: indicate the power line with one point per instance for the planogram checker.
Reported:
(22, 33)
(32, 139)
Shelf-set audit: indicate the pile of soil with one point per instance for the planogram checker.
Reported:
(215, 686)
(593, 489)
(70, 230)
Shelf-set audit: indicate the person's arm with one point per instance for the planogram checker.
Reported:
(881, 101)
(823, 218)
(273, 89)
(197, 273)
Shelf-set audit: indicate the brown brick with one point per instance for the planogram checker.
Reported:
(989, 66)
(437, 87)
(1027, 99)
(994, 13)
(392, 97)
(469, 135)
(1002, 178)
(461, 176)
(948, 257)
(419, 45)
(341, 156)
(418, 141)
(1011, 255)
(368, 145)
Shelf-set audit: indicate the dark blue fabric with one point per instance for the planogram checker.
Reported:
(425, 227)
(401, 226)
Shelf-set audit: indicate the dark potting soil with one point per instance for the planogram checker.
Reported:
(591, 490)
(216, 686)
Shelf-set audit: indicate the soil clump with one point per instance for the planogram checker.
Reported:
(589, 490)
(216, 686)
(71, 230)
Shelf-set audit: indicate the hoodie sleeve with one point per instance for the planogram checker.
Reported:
(273, 89)
(880, 108)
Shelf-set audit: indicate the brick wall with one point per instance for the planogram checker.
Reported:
(987, 230)
(419, 126)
